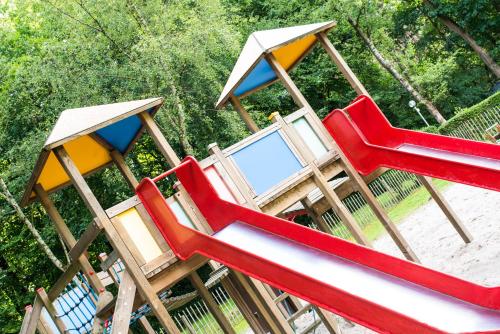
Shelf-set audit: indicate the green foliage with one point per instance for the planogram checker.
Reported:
(56, 55)
(469, 113)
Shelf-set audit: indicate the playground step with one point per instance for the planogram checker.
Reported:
(297, 314)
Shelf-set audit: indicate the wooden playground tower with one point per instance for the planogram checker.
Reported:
(86, 140)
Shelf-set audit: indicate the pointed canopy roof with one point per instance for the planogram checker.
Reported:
(288, 45)
(88, 134)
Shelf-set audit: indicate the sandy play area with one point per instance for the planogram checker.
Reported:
(439, 246)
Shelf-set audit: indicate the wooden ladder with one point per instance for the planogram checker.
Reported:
(324, 316)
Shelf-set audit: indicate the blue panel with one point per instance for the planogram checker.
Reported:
(267, 162)
(261, 74)
(76, 310)
(120, 134)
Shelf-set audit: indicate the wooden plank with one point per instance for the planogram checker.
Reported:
(265, 304)
(146, 325)
(297, 314)
(28, 311)
(340, 208)
(221, 319)
(446, 208)
(67, 237)
(118, 244)
(123, 206)
(51, 310)
(290, 86)
(317, 219)
(328, 321)
(124, 304)
(63, 281)
(341, 64)
(174, 273)
(29, 325)
(160, 141)
(249, 122)
(229, 168)
(108, 260)
(122, 166)
(89, 235)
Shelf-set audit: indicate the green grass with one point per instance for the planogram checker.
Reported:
(399, 212)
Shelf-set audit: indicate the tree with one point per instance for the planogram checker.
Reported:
(453, 26)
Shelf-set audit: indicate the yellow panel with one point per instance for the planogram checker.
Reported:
(84, 151)
(288, 54)
(139, 234)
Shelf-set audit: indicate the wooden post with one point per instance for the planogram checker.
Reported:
(290, 86)
(146, 325)
(142, 284)
(445, 206)
(159, 139)
(51, 310)
(245, 116)
(124, 304)
(68, 237)
(120, 163)
(317, 219)
(322, 183)
(349, 169)
(221, 319)
(31, 317)
(341, 64)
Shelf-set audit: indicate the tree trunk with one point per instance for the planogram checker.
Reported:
(392, 70)
(482, 53)
(12, 202)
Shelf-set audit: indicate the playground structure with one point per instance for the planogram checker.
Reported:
(270, 171)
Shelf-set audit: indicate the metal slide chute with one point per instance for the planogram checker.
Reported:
(379, 291)
(369, 141)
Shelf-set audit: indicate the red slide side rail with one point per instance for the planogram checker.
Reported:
(185, 242)
(369, 141)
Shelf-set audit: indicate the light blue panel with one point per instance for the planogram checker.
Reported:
(267, 162)
(76, 310)
(261, 74)
(120, 134)
(310, 137)
(181, 215)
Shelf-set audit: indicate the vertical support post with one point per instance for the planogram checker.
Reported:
(323, 227)
(160, 141)
(446, 208)
(341, 64)
(51, 310)
(144, 287)
(31, 317)
(349, 169)
(124, 304)
(122, 166)
(221, 319)
(146, 325)
(68, 237)
(244, 115)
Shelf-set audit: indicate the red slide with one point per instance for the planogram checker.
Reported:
(369, 141)
(384, 293)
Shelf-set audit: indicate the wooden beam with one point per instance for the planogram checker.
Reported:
(63, 281)
(124, 304)
(51, 310)
(89, 235)
(146, 325)
(31, 317)
(67, 237)
(317, 219)
(221, 319)
(244, 115)
(122, 166)
(341, 64)
(290, 86)
(114, 238)
(160, 140)
(446, 208)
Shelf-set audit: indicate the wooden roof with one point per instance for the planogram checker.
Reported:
(288, 45)
(87, 134)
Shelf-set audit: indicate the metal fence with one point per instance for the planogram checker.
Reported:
(476, 127)
(391, 188)
(195, 317)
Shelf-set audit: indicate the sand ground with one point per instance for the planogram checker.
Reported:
(439, 246)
